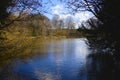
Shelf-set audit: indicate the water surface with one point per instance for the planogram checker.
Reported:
(57, 60)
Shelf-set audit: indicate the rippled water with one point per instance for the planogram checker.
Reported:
(57, 60)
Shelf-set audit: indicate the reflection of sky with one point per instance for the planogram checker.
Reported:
(45, 76)
(63, 60)
(81, 51)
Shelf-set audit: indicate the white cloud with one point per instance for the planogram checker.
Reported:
(64, 16)
(57, 9)
(62, 12)
(82, 16)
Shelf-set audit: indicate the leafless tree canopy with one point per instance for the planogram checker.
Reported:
(18, 8)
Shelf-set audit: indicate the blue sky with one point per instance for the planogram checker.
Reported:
(55, 7)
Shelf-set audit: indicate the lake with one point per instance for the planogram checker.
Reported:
(57, 60)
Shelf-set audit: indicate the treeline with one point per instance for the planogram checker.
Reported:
(37, 25)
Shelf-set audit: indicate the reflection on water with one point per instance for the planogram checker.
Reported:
(57, 60)
(103, 63)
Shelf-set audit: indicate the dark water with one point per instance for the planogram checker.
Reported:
(57, 60)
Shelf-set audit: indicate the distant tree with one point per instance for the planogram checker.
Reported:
(70, 23)
(55, 21)
(60, 24)
(39, 24)
(19, 8)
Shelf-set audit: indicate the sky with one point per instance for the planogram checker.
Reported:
(55, 7)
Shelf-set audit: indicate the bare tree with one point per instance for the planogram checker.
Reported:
(70, 23)
(55, 21)
(18, 8)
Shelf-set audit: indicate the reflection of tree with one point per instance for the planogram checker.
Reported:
(103, 63)
(15, 52)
